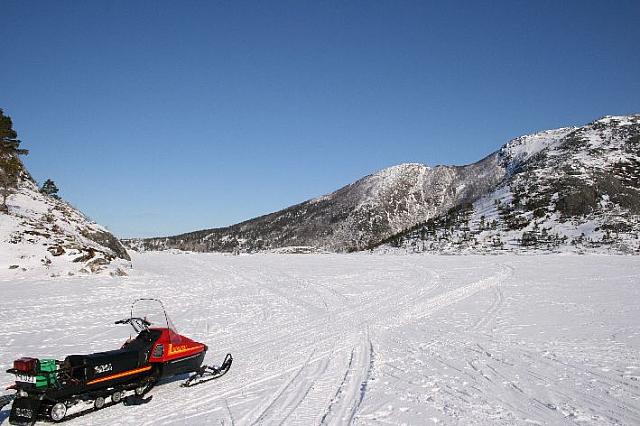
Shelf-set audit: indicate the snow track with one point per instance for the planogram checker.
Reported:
(361, 339)
(352, 388)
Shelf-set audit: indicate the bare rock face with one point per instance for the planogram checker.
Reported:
(107, 240)
(56, 250)
(97, 265)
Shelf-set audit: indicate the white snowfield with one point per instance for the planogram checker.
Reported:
(361, 339)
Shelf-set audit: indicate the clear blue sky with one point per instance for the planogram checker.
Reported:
(160, 117)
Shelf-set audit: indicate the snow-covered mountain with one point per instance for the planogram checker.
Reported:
(354, 217)
(575, 187)
(570, 189)
(44, 234)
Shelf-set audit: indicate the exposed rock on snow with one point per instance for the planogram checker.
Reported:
(45, 234)
(571, 189)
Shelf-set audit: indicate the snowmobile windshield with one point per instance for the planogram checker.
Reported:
(152, 310)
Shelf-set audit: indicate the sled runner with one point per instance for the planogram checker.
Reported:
(53, 389)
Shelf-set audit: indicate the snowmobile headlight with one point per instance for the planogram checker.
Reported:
(158, 351)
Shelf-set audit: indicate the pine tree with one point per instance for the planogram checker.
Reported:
(10, 168)
(9, 142)
(10, 165)
(49, 187)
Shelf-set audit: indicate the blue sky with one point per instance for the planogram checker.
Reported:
(158, 117)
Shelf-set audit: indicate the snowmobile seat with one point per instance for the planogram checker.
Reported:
(102, 364)
(74, 364)
(143, 344)
(144, 340)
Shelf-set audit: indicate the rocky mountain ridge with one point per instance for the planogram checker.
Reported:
(352, 218)
(556, 182)
(572, 189)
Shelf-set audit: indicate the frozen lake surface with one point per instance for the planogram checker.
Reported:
(362, 339)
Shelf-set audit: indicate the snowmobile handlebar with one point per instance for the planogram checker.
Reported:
(129, 320)
(138, 324)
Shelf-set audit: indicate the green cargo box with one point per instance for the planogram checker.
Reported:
(44, 380)
(48, 365)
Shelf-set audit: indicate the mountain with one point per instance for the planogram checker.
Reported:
(44, 234)
(571, 187)
(352, 218)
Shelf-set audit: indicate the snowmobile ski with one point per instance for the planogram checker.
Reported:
(138, 397)
(206, 373)
(136, 400)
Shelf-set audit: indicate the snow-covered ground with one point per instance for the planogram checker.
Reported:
(363, 339)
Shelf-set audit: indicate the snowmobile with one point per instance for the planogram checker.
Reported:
(55, 390)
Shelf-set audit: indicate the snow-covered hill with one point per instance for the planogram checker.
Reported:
(45, 235)
(354, 217)
(574, 189)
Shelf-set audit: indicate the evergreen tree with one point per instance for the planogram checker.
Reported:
(10, 165)
(49, 187)
(10, 168)
(9, 142)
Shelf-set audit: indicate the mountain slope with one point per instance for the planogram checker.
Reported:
(43, 234)
(539, 191)
(567, 189)
(354, 217)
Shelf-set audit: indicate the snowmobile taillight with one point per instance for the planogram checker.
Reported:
(26, 365)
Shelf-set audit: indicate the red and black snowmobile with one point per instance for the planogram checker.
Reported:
(47, 388)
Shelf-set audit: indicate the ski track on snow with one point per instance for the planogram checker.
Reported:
(356, 339)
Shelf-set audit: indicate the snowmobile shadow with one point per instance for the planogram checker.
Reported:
(4, 415)
(178, 378)
(79, 414)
